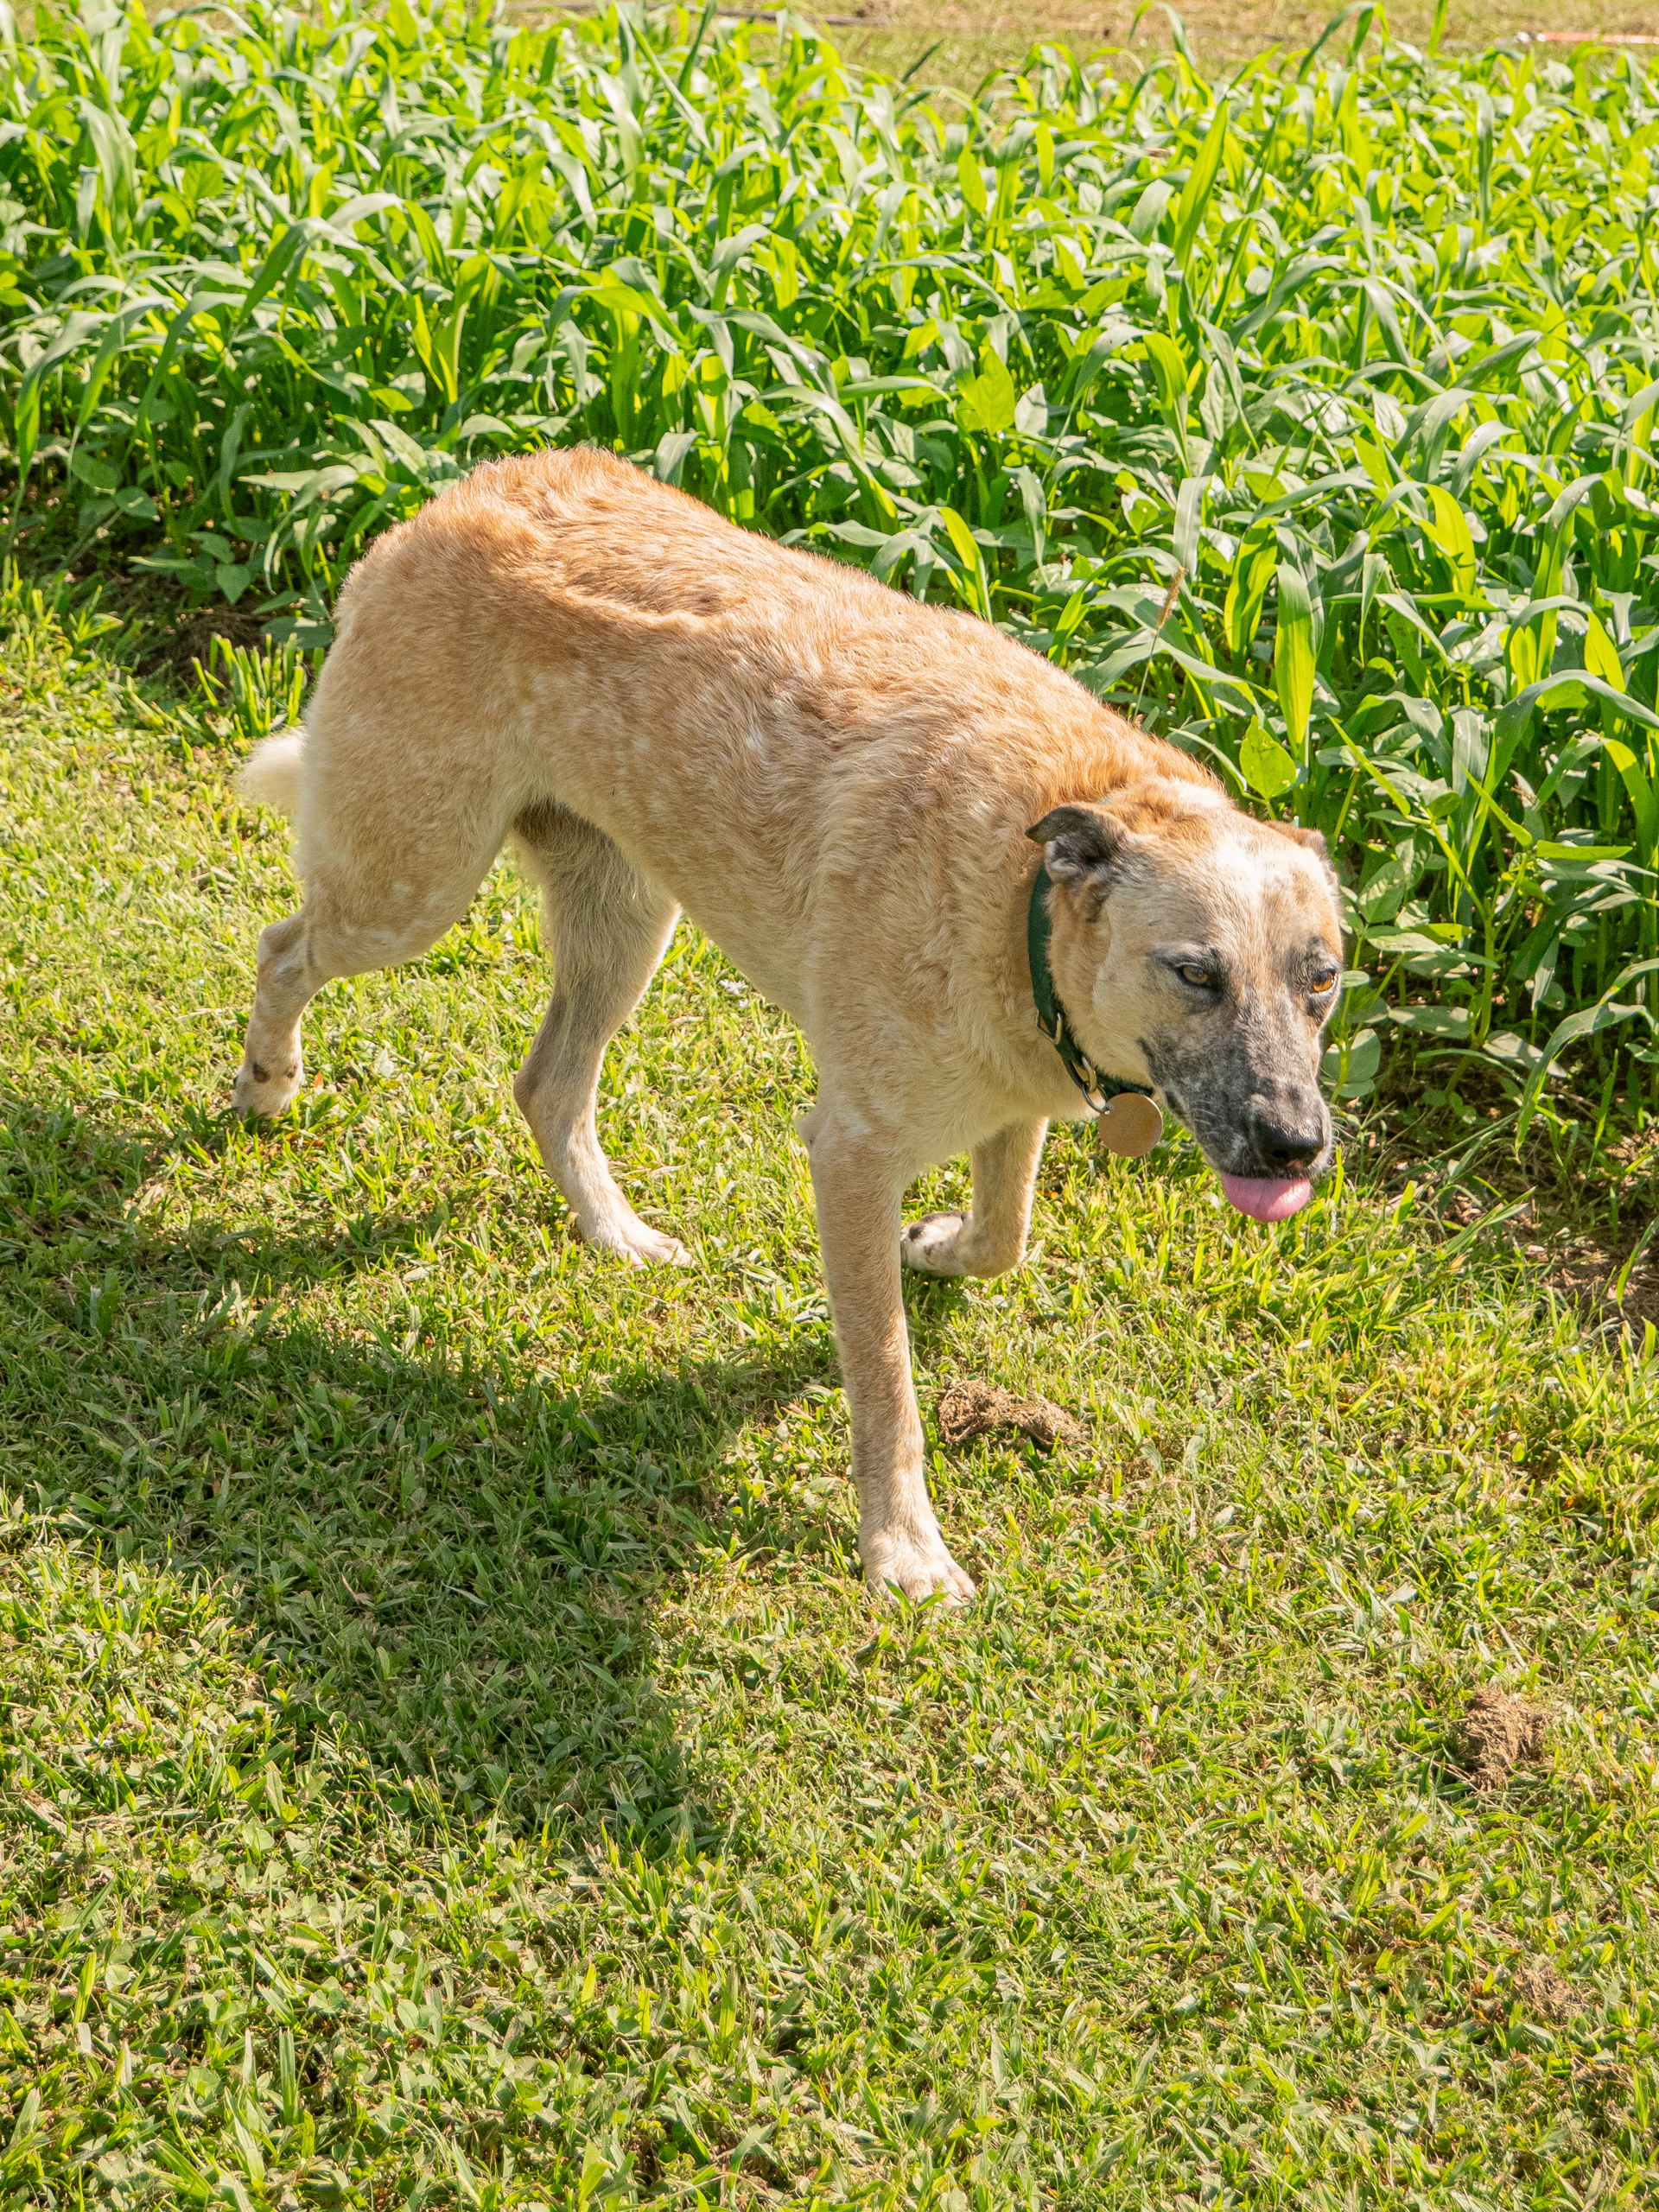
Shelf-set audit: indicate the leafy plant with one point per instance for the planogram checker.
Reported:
(253, 693)
(1310, 413)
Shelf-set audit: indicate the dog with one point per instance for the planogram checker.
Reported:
(889, 817)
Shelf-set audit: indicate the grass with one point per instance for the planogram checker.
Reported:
(1306, 411)
(446, 1758)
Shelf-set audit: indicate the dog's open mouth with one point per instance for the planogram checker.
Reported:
(1268, 1197)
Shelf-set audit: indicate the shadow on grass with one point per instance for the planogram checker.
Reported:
(437, 1558)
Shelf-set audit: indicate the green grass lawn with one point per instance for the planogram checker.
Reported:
(448, 1756)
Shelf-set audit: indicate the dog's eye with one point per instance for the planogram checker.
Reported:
(1325, 981)
(1190, 972)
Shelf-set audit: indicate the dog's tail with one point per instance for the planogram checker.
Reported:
(270, 775)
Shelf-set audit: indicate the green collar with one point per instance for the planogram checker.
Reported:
(1098, 1089)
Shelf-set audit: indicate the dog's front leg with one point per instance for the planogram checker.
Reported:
(858, 1194)
(992, 1238)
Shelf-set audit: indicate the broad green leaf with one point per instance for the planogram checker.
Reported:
(1354, 144)
(1071, 616)
(282, 258)
(989, 400)
(1381, 897)
(971, 181)
(1601, 654)
(1547, 850)
(1450, 532)
(1034, 501)
(102, 475)
(1189, 513)
(1266, 767)
(628, 299)
(1572, 688)
(961, 536)
(1512, 1051)
(1351, 1069)
(1525, 655)
(969, 552)
(1169, 367)
(1195, 194)
(1253, 571)
(594, 2168)
(1409, 616)
(1292, 653)
(1643, 799)
(1148, 210)
(1435, 1020)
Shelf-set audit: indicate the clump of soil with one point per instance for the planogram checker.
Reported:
(1550, 1994)
(968, 1410)
(1496, 1733)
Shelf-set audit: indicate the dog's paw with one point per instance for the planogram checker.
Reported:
(260, 1091)
(919, 1565)
(649, 1248)
(933, 1245)
(633, 1243)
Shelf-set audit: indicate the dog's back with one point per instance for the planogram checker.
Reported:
(675, 650)
(814, 765)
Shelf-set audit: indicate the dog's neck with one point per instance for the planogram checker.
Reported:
(1098, 1088)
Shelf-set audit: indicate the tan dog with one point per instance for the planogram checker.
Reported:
(837, 783)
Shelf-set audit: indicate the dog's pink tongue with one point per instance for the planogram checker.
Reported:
(1268, 1197)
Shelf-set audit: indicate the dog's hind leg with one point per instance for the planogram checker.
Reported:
(992, 1238)
(351, 921)
(609, 927)
(388, 864)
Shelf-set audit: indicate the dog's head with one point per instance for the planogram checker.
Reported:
(1207, 946)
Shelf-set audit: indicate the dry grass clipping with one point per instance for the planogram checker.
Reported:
(1550, 1994)
(1496, 1733)
(968, 1410)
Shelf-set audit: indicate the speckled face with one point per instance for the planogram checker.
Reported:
(1236, 1053)
(1212, 947)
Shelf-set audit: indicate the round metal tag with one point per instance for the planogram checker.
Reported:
(1131, 1125)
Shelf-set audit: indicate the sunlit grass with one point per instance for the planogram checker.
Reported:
(448, 1756)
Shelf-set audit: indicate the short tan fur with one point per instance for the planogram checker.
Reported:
(835, 782)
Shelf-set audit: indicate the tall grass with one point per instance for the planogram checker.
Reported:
(1309, 413)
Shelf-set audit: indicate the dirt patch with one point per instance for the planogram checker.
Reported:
(193, 640)
(1582, 1269)
(969, 1409)
(1587, 1270)
(1582, 1221)
(958, 41)
(1498, 1732)
(1546, 1993)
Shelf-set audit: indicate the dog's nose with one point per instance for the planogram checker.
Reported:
(1283, 1145)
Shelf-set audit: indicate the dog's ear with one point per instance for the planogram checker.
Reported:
(1080, 844)
(1311, 841)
